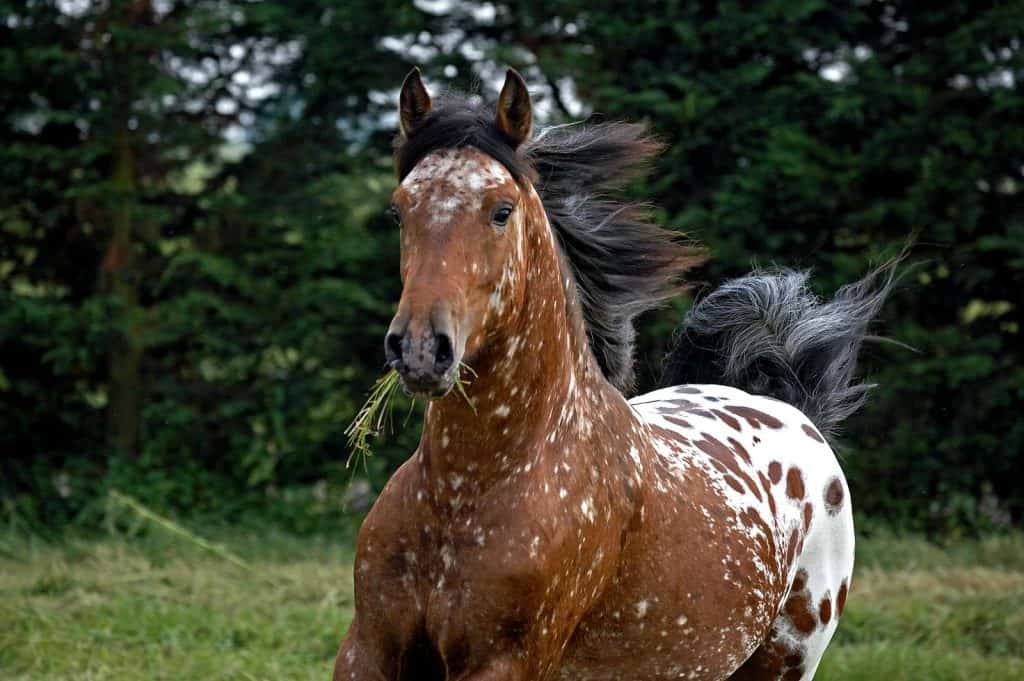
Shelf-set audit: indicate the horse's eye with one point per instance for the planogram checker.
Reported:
(396, 214)
(500, 216)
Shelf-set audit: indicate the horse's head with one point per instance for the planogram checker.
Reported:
(461, 214)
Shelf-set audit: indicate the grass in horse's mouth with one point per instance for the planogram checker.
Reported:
(375, 414)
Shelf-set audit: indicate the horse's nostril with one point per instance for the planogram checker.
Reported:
(393, 348)
(444, 354)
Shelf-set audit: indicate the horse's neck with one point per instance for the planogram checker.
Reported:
(537, 383)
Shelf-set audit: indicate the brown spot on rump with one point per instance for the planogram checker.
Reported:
(775, 472)
(834, 496)
(666, 434)
(808, 512)
(670, 437)
(727, 457)
(740, 450)
(800, 579)
(727, 419)
(683, 423)
(766, 484)
(825, 609)
(841, 598)
(753, 488)
(794, 537)
(764, 544)
(798, 606)
(799, 613)
(755, 417)
(812, 433)
(757, 440)
(735, 484)
(794, 483)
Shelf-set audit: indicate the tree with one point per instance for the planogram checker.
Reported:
(186, 229)
(826, 135)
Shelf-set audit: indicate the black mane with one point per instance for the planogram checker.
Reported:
(623, 263)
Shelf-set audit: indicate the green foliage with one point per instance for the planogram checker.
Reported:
(246, 274)
(196, 271)
(827, 135)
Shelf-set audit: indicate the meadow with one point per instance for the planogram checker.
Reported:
(266, 605)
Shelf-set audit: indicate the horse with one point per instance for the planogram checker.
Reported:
(546, 527)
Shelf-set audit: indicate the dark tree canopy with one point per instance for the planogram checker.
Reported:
(197, 268)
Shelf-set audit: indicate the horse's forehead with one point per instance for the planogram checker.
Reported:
(465, 170)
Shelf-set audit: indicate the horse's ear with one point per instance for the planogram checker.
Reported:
(413, 102)
(515, 113)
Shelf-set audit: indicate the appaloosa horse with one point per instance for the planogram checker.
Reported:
(547, 528)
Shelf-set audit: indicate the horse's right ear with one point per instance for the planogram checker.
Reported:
(413, 102)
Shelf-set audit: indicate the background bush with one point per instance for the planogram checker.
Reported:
(196, 268)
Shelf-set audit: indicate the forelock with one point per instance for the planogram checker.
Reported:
(457, 123)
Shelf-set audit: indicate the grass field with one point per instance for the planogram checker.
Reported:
(161, 608)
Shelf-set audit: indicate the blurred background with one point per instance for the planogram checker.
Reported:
(197, 267)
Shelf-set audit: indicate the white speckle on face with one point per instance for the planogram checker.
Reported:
(562, 493)
(681, 620)
(502, 411)
(641, 608)
(451, 181)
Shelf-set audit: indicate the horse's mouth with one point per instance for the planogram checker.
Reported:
(427, 388)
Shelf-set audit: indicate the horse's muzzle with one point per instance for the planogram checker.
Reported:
(423, 356)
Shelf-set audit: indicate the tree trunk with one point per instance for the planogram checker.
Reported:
(122, 276)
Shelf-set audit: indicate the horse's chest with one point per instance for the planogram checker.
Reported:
(466, 585)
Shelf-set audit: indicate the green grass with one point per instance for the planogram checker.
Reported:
(917, 610)
(114, 609)
(159, 607)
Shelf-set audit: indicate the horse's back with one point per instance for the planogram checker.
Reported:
(775, 480)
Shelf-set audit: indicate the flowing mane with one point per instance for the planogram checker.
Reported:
(622, 262)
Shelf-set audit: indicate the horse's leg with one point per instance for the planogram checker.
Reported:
(784, 657)
(506, 667)
(776, 659)
(810, 615)
(353, 663)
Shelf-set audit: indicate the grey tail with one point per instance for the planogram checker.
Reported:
(768, 334)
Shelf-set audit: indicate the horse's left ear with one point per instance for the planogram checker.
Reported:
(515, 113)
